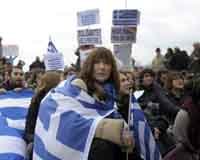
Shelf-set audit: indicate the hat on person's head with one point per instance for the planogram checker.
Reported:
(158, 50)
(53, 60)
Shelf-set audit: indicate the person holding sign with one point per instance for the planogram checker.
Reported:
(82, 53)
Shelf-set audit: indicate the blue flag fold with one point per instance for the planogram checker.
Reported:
(13, 111)
(67, 121)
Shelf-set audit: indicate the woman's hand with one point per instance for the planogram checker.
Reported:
(128, 139)
(18, 89)
(2, 90)
(157, 133)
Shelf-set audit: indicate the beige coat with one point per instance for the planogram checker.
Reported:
(108, 129)
(180, 133)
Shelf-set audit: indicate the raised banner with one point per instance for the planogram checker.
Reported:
(88, 17)
(89, 37)
(126, 17)
(53, 59)
(123, 53)
(10, 50)
(123, 34)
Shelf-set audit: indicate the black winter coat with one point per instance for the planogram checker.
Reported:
(32, 116)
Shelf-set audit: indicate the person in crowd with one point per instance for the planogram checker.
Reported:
(195, 58)
(187, 75)
(127, 85)
(6, 70)
(157, 109)
(131, 78)
(153, 92)
(180, 60)
(124, 91)
(99, 80)
(68, 71)
(37, 64)
(102, 65)
(16, 81)
(175, 87)
(21, 64)
(162, 77)
(186, 128)
(168, 57)
(8, 66)
(6, 77)
(137, 71)
(48, 81)
(2, 63)
(35, 77)
(196, 51)
(82, 52)
(158, 61)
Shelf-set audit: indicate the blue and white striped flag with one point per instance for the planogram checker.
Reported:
(51, 47)
(142, 132)
(13, 111)
(66, 125)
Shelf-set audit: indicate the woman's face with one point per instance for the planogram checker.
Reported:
(130, 78)
(101, 71)
(147, 79)
(125, 84)
(178, 83)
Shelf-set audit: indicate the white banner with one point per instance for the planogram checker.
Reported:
(54, 61)
(10, 50)
(88, 17)
(89, 36)
(123, 34)
(123, 53)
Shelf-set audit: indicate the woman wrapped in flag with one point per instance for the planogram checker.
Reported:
(77, 120)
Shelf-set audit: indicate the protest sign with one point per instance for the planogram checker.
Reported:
(123, 34)
(10, 50)
(88, 17)
(89, 37)
(129, 17)
(123, 53)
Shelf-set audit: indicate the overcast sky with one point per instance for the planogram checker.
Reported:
(164, 23)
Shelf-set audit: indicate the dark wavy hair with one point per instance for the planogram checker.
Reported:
(173, 76)
(141, 76)
(86, 73)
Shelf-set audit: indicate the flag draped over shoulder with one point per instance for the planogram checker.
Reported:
(66, 124)
(142, 132)
(13, 111)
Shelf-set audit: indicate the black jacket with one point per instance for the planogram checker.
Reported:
(32, 116)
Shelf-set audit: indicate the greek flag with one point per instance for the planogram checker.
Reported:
(13, 110)
(51, 47)
(143, 136)
(66, 124)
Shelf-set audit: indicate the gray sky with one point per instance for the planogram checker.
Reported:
(164, 23)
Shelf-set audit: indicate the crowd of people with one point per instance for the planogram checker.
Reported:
(178, 60)
(170, 100)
